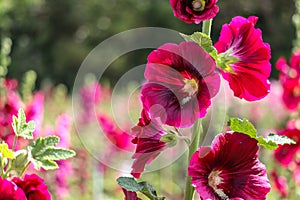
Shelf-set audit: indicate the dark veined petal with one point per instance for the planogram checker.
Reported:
(230, 169)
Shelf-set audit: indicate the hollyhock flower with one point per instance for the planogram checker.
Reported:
(65, 170)
(289, 78)
(130, 195)
(285, 154)
(10, 191)
(90, 96)
(244, 58)
(148, 145)
(118, 137)
(181, 82)
(230, 169)
(35, 111)
(194, 11)
(280, 184)
(33, 187)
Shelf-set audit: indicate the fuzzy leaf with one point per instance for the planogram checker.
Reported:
(55, 153)
(6, 152)
(279, 139)
(270, 145)
(45, 164)
(242, 126)
(129, 184)
(201, 39)
(272, 141)
(44, 153)
(21, 127)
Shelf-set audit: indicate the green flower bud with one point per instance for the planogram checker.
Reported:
(21, 160)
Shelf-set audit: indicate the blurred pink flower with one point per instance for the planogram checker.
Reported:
(280, 184)
(245, 58)
(35, 111)
(181, 82)
(194, 11)
(285, 154)
(289, 77)
(117, 136)
(90, 96)
(9, 106)
(230, 169)
(62, 175)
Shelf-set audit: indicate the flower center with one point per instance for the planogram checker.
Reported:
(198, 5)
(214, 180)
(226, 59)
(191, 88)
(296, 91)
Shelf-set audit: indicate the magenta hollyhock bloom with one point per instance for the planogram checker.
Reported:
(181, 82)
(244, 58)
(280, 184)
(65, 170)
(35, 111)
(230, 169)
(289, 78)
(130, 195)
(90, 97)
(33, 187)
(194, 11)
(285, 154)
(148, 145)
(10, 191)
(117, 136)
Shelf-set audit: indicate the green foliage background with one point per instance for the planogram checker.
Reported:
(53, 37)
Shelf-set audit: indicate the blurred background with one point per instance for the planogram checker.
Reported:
(52, 37)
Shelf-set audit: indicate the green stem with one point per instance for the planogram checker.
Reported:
(206, 27)
(197, 131)
(15, 143)
(24, 169)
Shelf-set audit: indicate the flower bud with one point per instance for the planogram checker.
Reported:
(21, 160)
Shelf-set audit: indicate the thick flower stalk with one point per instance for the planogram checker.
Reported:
(194, 11)
(229, 169)
(181, 80)
(244, 58)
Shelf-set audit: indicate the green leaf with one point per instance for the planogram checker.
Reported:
(44, 153)
(5, 151)
(266, 144)
(21, 127)
(129, 184)
(39, 145)
(55, 153)
(149, 191)
(242, 126)
(45, 164)
(201, 39)
(279, 139)
(272, 141)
